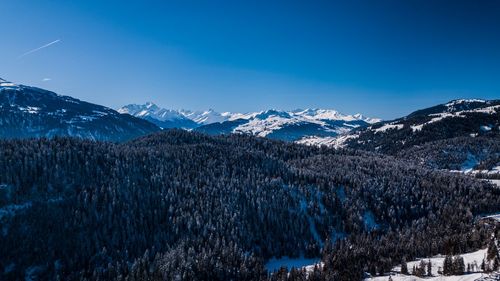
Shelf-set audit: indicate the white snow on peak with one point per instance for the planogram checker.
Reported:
(206, 117)
(261, 123)
(461, 101)
(5, 83)
(150, 109)
(329, 114)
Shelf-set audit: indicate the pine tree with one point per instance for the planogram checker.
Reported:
(448, 265)
(458, 265)
(429, 268)
(404, 267)
(492, 251)
(496, 263)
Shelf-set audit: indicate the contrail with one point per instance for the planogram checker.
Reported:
(39, 48)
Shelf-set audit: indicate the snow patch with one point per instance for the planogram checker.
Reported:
(485, 128)
(389, 127)
(335, 142)
(473, 258)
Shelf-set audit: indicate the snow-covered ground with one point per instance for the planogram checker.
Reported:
(399, 277)
(389, 127)
(473, 258)
(496, 182)
(335, 142)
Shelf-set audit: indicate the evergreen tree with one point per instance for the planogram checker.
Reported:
(429, 268)
(404, 267)
(492, 251)
(448, 265)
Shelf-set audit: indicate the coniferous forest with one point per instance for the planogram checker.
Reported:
(178, 205)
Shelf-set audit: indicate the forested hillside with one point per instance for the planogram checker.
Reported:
(177, 205)
(458, 154)
(458, 118)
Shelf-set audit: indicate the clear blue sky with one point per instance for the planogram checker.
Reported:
(381, 58)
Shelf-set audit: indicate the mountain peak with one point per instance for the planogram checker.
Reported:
(5, 83)
(464, 101)
(150, 104)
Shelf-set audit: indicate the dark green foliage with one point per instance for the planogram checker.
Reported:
(183, 206)
(453, 265)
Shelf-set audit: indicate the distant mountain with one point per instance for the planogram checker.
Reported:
(27, 112)
(290, 125)
(276, 124)
(461, 135)
(457, 118)
(164, 118)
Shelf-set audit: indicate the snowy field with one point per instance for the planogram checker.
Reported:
(398, 277)
(473, 258)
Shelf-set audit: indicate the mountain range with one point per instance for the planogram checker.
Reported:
(277, 124)
(27, 112)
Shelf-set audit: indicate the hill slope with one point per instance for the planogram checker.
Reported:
(458, 118)
(32, 112)
(185, 206)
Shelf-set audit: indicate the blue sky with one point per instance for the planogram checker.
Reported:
(381, 58)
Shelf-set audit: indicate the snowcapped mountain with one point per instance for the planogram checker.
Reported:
(164, 118)
(33, 112)
(292, 125)
(286, 125)
(457, 118)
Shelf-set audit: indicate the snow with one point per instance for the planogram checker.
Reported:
(7, 84)
(416, 128)
(335, 142)
(495, 217)
(318, 116)
(275, 264)
(30, 109)
(473, 258)
(495, 182)
(469, 164)
(150, 109)
(400, 277)
(206, 117)
(485, 128)
(264, 127)
(389, 127)
(460, 101)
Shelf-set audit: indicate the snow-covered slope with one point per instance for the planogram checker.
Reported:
(33, 112)
(474, 259)
(290, 125)
(457, 118)
(286, 125)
